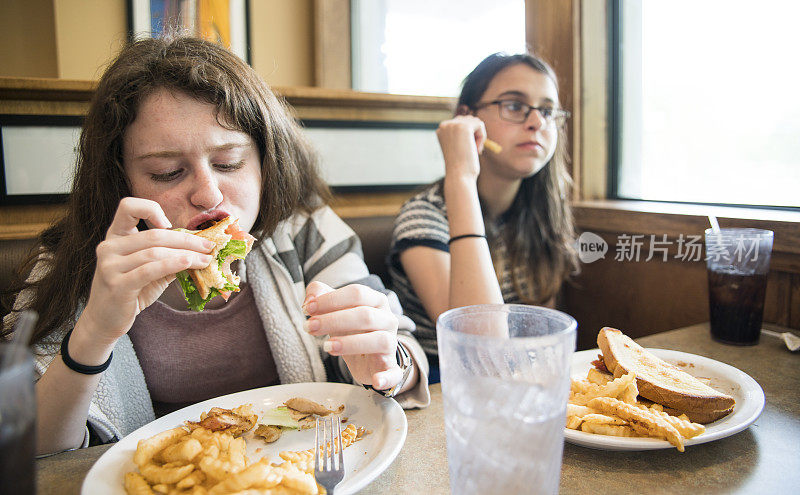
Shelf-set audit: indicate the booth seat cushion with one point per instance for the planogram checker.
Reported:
(12, 253)
(375, 233)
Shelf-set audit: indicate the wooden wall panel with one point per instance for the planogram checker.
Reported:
(778, 298)
(282, 41)
(332, 54)
(639, 298)
(27, 38)
(552, 29)
(643, 298)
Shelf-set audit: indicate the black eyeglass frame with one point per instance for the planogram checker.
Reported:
(559, 116)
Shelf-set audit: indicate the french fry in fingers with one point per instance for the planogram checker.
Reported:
(492, 146)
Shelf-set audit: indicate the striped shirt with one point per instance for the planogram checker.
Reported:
(422, 221)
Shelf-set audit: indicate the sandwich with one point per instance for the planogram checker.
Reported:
(217, 279)
(678, 391)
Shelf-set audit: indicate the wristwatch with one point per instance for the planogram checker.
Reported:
(405, 363)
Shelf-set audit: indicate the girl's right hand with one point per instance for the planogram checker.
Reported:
(134, 268)
(461, 139)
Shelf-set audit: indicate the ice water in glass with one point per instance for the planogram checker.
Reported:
(505, 396)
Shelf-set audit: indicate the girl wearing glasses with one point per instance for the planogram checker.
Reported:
(498, 227)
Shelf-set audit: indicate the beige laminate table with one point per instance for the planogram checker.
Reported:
(765, 458)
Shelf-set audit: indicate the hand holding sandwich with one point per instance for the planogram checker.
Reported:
(134, 268)
(362, 329)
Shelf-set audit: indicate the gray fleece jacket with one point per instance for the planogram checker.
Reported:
(302, 249)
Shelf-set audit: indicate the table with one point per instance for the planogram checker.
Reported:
(765, 458)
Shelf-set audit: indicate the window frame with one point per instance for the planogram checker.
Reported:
(615, 112)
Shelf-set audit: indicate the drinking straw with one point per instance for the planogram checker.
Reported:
(714, 224)
(22, 333)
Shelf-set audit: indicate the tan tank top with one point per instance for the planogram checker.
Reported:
(188, 357)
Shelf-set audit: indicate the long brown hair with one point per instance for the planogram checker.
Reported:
(538, 229)
(203, 70)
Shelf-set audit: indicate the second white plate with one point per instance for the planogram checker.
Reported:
(747, 392)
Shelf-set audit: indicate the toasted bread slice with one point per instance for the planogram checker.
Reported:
(660, 381)
(211, 276)
(702, 417)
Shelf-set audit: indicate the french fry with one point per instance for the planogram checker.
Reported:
(260, 475)
(135, 484)
(574, 422)
(611, 430)
(295, 479)
(217, 469)
(304, 460)
(183, 451)
(579, 386)
(194, 479)
(603, 419)
(237, 453)
(580, 411)
(683, 425)
(644, 422)
(630, 393)
(490, 145)
(148, 448)
(596, 376)
(614, 389)
(166, 475)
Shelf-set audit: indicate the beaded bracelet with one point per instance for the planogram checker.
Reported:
(453, 239)
(78, 367)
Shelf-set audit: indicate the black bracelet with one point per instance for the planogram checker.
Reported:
(453, 239)
(78, 367)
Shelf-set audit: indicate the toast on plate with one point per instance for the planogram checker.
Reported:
(661, 382)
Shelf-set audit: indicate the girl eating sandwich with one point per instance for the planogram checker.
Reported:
(181, 134)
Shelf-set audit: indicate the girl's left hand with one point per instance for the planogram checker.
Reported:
(362, 329)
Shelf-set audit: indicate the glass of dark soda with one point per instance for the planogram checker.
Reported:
(737, 261)
(17, 422)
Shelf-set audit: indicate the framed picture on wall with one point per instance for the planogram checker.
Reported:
(37, 157)
(223, 21)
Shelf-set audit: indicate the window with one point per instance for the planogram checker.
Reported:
(425, 47)
(704, 99)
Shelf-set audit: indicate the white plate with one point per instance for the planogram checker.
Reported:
(727, 379)
(364, 460)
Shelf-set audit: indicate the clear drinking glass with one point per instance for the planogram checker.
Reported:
(505, 381)
(17, 422)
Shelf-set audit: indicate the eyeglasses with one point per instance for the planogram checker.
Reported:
(518, 112)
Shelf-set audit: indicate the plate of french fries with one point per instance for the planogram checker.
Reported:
(605, 412)
(177, 453)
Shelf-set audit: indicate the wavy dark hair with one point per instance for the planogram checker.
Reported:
(538, 230)
(205, 71)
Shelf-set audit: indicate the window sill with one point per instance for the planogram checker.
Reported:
(673, 219)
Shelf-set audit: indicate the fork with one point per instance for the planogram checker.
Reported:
(328, 433)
